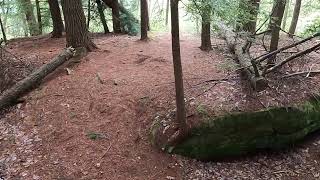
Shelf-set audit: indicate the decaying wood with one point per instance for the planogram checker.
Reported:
(237, 47)
(11, 96)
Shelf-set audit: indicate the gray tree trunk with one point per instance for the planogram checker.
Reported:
(295, 18)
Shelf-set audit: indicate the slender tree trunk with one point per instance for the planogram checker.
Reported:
(116, 22)
(276, 20)
(3, 31)
(275, 2)
(39, 17)
(58, 26)
(167, 12)
(148, 15)
(285, 16)
(144, 19)
(89, 13)
(102, 16)
(31, 20)
(116, 17)
(295, 18)
(206, 33)
(181, 112)
(77, 34)
(254, 10)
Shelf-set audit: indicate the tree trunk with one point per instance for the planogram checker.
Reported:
(116, 17)
(144, 19)
(102, 16)
(39, 17)
(285, 16)
(10, 96)
(89, 13)
(254, 10)
(129, 22)
(27, 8)
(276, 20)
(205, 32)
(148, 15)
(181, 112)
(167, 12)
(58, 26)
(272, 14)
(295, 18)
(76, 30)
(3, 31)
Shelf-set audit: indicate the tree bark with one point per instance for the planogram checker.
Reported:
(285, 16)
(132, 21)
(77, 35)
(102, 17)
(181, 112)
(144, 19)
(167, 13)
(295, 18)
(116, 17)
(276, 20)
(3, 31)
(89, 13)
(27, 8)
(10, 96)
(206, 32)
(39, 17)
(58, 26)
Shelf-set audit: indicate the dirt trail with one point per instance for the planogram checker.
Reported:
(93, 124)
(101, 98)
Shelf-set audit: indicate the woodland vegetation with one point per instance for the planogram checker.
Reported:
(269, 42)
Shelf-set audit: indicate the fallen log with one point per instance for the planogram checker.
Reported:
(10, 96)
(238, 46)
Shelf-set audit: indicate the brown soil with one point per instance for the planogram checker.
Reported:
(93, 123)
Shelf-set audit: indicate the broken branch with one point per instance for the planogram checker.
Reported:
(307, 51)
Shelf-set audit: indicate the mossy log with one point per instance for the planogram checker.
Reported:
(240, 134)
(10, 96)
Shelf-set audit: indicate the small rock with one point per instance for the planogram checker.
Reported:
(98, 165)
(35, 177)
(170, 178)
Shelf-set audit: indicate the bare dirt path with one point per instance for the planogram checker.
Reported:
(100, 100)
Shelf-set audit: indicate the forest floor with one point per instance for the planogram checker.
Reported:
(94, 122)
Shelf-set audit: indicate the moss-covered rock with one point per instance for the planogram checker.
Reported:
(243, 133)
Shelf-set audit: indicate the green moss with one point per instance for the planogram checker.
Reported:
(243, 133)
